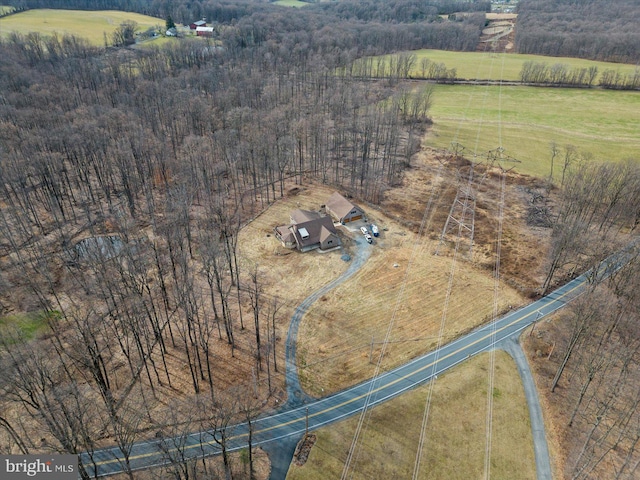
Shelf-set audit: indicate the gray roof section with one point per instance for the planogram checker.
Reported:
(314, 228)
(301, 216)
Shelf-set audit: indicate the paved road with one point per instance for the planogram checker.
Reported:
(540, 446)
(293, 422)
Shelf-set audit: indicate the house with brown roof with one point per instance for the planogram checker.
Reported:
(308, 230)
(342, 210)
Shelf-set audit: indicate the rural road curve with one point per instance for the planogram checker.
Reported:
(317, 413)
(293, 422)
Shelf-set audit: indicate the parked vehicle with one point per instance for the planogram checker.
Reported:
(364, 230)
(374, 230)
(368, 237)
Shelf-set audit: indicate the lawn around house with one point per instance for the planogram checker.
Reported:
(524, 120)
(91, 25)
(456, 431)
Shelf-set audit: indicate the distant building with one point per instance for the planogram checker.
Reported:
(204, 31)
(342, 210)
(172, 32)
(199, 23)
(308, 230)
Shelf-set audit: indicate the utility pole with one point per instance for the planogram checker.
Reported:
(371, 349)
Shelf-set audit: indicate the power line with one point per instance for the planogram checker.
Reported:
(496, 293)
(426, 220)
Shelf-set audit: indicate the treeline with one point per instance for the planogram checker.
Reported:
(560, 74)
(604, 30)
(557, 74)
(383, 30)
(400, 11)
(226, 11)
(592, 368)
(402, 66)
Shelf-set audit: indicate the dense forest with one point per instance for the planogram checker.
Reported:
(604, 30)
(126, 177)
(225, 11)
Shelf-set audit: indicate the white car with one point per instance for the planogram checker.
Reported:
(374, 230)
(368, 237)
(364, 230)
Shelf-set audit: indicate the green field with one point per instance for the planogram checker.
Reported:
(5, 9)
(496, 66)
(524, 120)
(291, 3)
(455, 435)
(91, 25)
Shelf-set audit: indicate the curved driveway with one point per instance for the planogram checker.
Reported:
(295, 395)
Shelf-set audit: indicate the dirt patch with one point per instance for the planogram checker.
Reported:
(303, 449)
(499, 34)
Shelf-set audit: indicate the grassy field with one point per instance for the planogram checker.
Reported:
(291, 3)
(455, 435)
(496, 66)
(524, 120)
(92, 25)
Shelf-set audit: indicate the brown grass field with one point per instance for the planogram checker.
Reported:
(402, 288)
(455, 439)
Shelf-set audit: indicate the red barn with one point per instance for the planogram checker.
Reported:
(199, 23)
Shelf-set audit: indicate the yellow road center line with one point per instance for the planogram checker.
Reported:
(354, 399)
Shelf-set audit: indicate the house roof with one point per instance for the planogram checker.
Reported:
(339, 205)
(200, 23)
(326, 233)
(285, 234)
(316, 228)
(300, 216)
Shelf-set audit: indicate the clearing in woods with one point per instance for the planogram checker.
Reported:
(402, 279)
(341, 336)
(456, 431)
